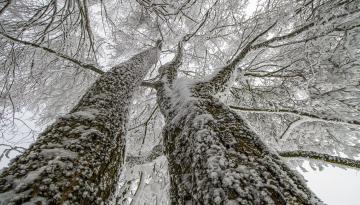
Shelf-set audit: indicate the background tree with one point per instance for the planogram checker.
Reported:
(297, 86)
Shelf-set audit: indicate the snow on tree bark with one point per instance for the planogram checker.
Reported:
(76, 160)
(214, 156)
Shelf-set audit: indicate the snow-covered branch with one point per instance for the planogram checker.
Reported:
(218, 82)
(323, 157)
(58, 54)
(302, 29)
(298, 113)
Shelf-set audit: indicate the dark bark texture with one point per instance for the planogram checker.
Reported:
(214, 156)
(77, 159)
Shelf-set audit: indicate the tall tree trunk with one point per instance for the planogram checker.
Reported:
(76, 160)
(214, 156)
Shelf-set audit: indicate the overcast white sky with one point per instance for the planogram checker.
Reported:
(334, 185)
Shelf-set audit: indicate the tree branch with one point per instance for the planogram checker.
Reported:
(60, 55)
(300, 30)
(168, 71)
(2, 10)
(218, 82)
(323, 157)
(290, 128)
(298, 113)
(284, 37)
(149, 84)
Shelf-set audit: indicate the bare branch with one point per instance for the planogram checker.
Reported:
(138, 189)
(2, 10)
(202, 23)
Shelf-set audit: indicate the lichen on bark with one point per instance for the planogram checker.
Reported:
(214, 156)
(76, 160)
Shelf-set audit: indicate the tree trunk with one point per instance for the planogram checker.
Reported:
(76, 160)
(214, 156)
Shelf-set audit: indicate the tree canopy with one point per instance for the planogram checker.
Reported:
(290, 68)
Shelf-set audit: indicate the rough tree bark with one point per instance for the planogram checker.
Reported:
(214, 156)
(76, 160)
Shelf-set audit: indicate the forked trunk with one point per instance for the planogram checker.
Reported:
(214, 156)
